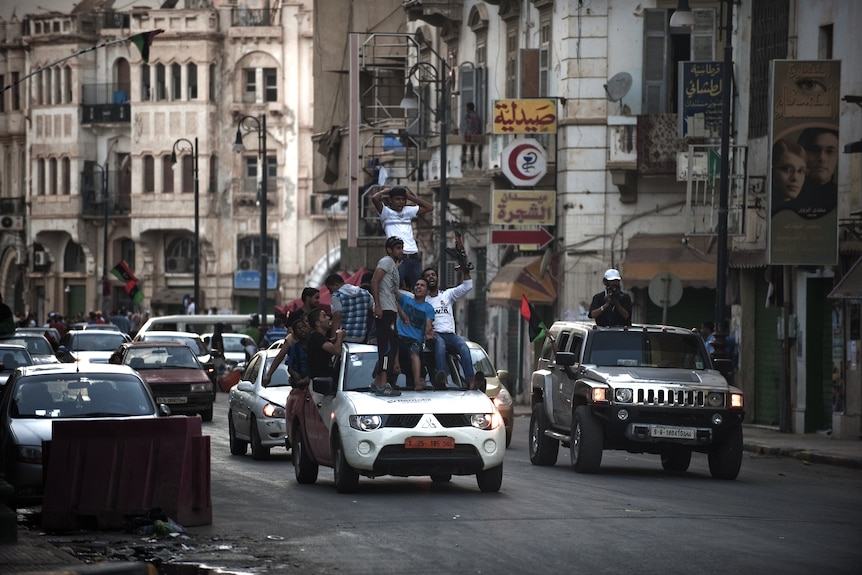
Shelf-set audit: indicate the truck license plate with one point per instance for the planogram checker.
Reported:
(429, 443)
(672, 432)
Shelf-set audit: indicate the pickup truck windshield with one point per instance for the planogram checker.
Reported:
(647, 349)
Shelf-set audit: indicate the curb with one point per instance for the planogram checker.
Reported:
(804, 455)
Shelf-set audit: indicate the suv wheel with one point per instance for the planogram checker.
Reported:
(587, 441)
(726, 459)
(676, 461)
(346, 478)
(207, 414)
(304, 468)
(543, 449)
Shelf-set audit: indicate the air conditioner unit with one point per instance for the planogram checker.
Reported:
(246, 264)
(12, 223)
(40, 259)
(176, 265)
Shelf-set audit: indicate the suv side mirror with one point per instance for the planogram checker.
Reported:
(565, 358)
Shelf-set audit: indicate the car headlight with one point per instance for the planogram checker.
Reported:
(486, 420)
(715, 399)
(197, 387)
(503, 398)
(623, 395)
(30, 454)
(272, 410)
(366, 422)
(736, 400)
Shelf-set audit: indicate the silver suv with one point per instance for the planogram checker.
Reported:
(642, 389)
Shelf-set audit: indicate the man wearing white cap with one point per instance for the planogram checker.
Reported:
(612, 307)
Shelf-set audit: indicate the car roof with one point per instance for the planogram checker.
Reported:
(85, 368)
(589, 326)
(155, 344)
(16, 346)
(169, 333)
(94, 331)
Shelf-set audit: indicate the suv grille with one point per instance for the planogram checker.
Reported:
(671, 397)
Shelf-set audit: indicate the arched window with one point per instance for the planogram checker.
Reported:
(66, 176)
(161, 86)
(146, 92)
(67, 84)
(40, 176)
(179, 255)
(248, 250)
(73, 258)
(192, 81)
(176, 81)
(52, 176)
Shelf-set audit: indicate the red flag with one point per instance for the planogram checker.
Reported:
(537, 329)
(143, 41)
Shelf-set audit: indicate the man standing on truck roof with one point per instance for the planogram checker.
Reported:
(612, 307)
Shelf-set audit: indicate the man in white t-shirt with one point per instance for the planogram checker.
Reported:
(446, 339)
(397, 220)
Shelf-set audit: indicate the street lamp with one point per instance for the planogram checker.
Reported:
(724, 190)
(106, 285)
(194, 150)
(249, 123)
(411, 101)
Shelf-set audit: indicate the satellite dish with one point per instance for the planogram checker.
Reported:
(618, 86)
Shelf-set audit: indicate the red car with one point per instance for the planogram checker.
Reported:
(173, 373)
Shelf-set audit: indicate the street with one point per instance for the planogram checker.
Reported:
(781, 515)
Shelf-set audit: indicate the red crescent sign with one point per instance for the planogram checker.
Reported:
(524, 162)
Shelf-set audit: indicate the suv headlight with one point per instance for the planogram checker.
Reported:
(366, 422)
(623, 395)
(486, 420)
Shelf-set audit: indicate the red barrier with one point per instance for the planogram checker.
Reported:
(99, 473)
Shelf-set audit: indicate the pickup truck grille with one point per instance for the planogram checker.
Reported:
(670, 397)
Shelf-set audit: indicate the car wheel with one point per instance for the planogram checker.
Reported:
(543, 449)
(258, 451)
(207, 414)
(509, 437)
(676, 461)
(587, 441)
(490, 480)
(441, 477)
(346, 478)
(304, 468)
(725, 460)
(237, 446)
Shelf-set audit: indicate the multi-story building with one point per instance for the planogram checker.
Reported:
(634, 170)
(108, 158)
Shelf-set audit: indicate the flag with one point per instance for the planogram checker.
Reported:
(123, 272)
(143, 41)
(537, 329)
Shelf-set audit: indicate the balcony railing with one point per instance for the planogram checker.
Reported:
(256, 17)
(103, 103)
(93, 195)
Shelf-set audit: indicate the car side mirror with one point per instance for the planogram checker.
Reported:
(164, 410)
(323, 385)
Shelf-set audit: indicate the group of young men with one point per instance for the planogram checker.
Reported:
(401, 308)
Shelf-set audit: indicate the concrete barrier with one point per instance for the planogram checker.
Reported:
(100, 473)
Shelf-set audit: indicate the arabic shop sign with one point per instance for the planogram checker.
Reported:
(700, 99)
(524, 162)
(526, 116)
(523, 207)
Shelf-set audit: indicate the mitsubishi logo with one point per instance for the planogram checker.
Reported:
(428, 423)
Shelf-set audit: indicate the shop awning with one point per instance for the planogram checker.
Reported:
(688, 258)
(522, 276)
(850, 286)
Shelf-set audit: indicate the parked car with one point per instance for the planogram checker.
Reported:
(90, 345)
(234, 352)
(12, 355)
(38, 345)
(438, 433)
(174, 374)
(641, 389)
(256, 413)
(494, 386)
(37, 396)
(193, 340)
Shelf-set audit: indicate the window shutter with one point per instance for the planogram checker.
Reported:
(467, 78)
(530, 73)
(703, 35)
(656, 38)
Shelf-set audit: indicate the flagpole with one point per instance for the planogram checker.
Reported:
(75, 55)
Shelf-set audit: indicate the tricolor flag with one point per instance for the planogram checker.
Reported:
(123, 272)
(537, 329)
(143, 41)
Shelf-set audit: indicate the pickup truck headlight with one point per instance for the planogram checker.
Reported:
(366, 422)
(623, 395)
(486, 420)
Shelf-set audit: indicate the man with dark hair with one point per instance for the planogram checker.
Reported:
(310, 299)
(253, 329)
(297, 334)
(415, 325)
(384, 290)
(350, 308)
(819, 194)
(397, 220)
(320, 348)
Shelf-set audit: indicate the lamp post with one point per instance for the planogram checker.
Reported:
(194, 149)
(106, 286)
(249, 123)
(410, 101)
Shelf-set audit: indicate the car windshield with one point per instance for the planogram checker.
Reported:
(281, 377)
(80, 395)
(481, 361)
(194, 342)
(36, 345)
(359, 370)
(155, 357)
(96, 341)
(646, 349)
(233, 344)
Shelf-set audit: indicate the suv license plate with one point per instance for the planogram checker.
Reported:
(170, 400)
(672, 432)
(429, 443)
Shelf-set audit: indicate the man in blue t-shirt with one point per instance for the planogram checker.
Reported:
(415, 324)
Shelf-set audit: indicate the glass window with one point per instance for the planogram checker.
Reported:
(149, 173)
(192, 81)
(176, 81)
(270, 82)
(167, 175)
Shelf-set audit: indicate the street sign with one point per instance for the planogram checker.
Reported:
(524, 162)
(539, 237)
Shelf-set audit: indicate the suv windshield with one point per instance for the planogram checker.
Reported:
(646, 349)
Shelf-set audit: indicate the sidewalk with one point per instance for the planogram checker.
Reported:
(32, 554)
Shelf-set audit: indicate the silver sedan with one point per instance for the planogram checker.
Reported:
(256, 412)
